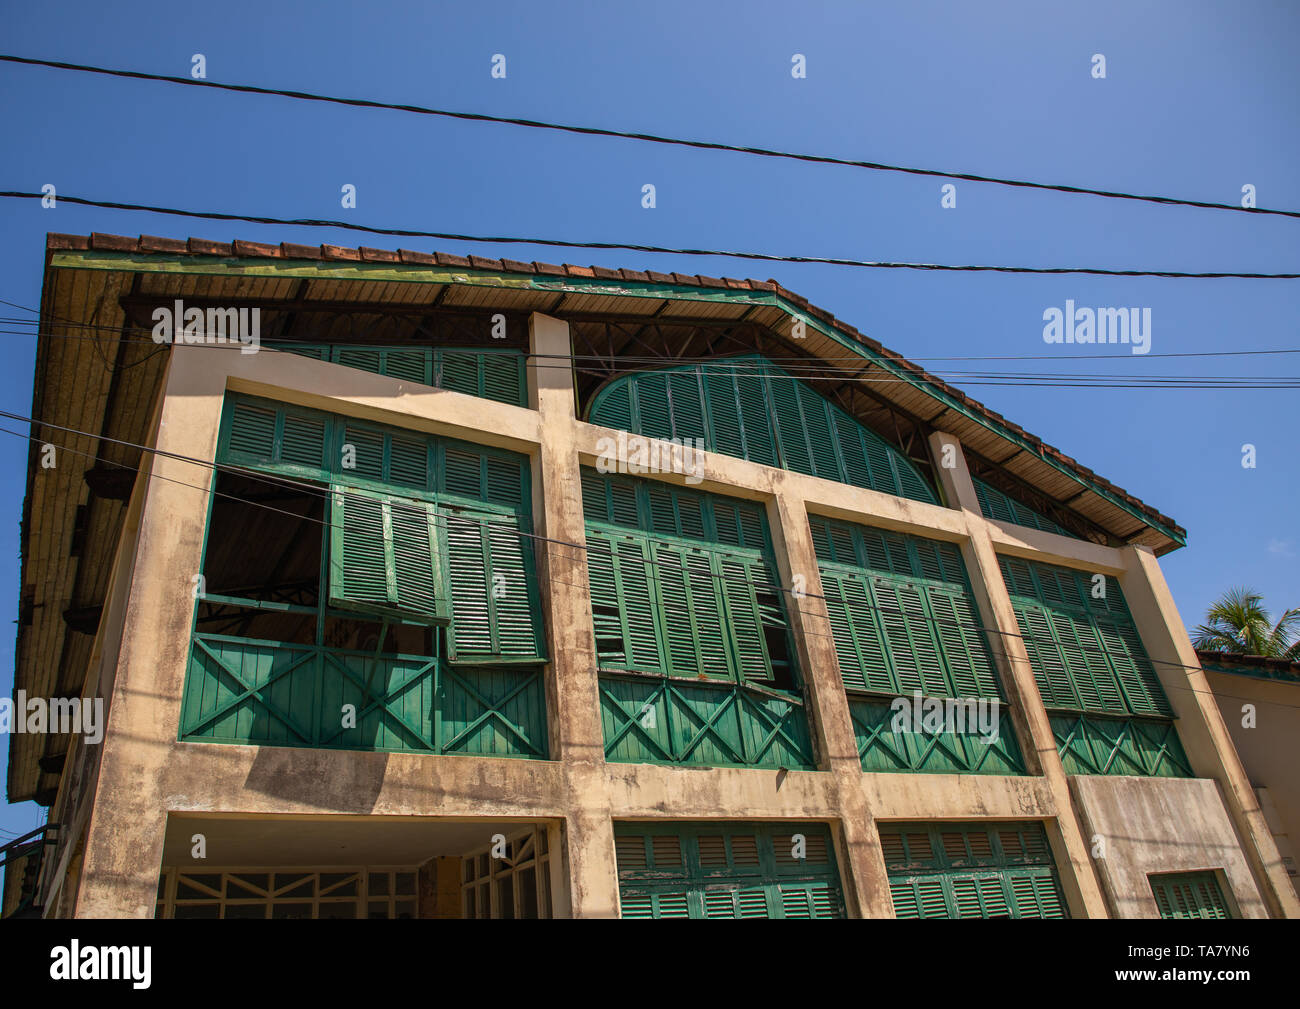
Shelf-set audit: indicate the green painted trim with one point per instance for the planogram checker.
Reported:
(163, 263)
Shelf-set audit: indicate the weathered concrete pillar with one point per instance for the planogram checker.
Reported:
(1069, 846)
(573, 696)
(1200, 726)
(124, 841)
(863, 862)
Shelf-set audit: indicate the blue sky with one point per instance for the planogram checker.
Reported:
(1199, 100)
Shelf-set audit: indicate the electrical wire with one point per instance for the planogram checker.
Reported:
(644, 137)
(690, 359)
(812, 371)
(628, 247)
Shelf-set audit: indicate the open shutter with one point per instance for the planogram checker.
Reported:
(742, 581)
(965, 649)
(622, 593)
(1050, 671)
(692, 611)
(385, 557)
(494, 617)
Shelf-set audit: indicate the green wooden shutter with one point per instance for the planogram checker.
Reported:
(458, 371)
(901, 613)
(494, 611)
(965, 650)
(998, 506)
(725, 870)
(384, 556)
(742, 581)
(822, 437)
(985, 870)
(623, 602)
(687, 398)
(754, 401)
(251, 431)
(692, 606)
(1085, 652)
(654, 417)
(703, 587)
(1184, 895)
(792, 436)
(759, 412)
(725, 432)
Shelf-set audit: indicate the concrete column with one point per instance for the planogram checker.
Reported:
(573, 695)
(124, 841)
(865, 878)
(1069, 846)
(1200, 726)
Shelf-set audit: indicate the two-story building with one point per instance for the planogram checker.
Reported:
(429, 607)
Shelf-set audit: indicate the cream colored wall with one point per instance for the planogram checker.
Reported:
(1140, 826)
(147, 773)
(1268, 750)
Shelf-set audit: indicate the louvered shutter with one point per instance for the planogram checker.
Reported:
(965, 649)
(623, 606)
(503, 377)
(971, 871)
(494, 616)
(687, 405)
(741, 582)
(691, 611)
(302, 442)
(653, 415)
(252, 431)
(792, 437)
(361, 358)
(731, 871)
(1136, 676)
(724, 412)
(846, 650)
(458, 372)
(1045, 658)
(385, 557)
(1189, 895)
(756, 414)
(822, 437)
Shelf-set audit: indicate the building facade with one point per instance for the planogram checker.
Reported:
(499, 589)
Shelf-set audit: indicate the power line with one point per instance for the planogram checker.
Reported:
(729, 254)
(647, 359)
(1053, 380)
(644, 137)
(804, 370)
